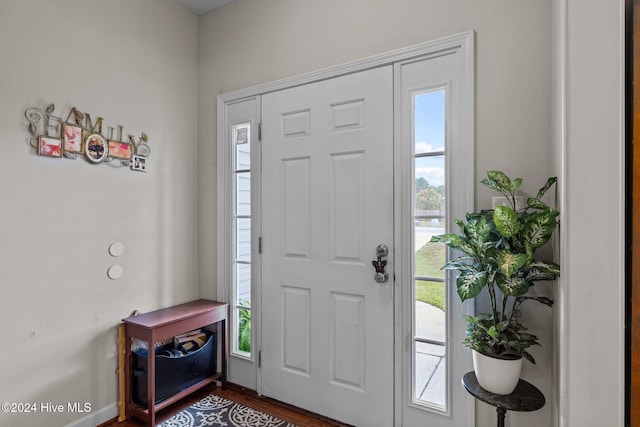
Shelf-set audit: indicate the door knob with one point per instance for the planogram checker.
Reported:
(381, 276)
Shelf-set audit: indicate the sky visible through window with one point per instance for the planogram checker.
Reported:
(430, 135)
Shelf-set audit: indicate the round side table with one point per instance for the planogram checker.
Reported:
(525, 398)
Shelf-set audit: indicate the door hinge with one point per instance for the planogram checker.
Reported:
(260, 244)
(260, 131)
(260, 359)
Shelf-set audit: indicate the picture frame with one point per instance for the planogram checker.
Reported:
(96, 148)
(49, 146)
(139, 163)
(120, 150)
(242, 135)
(72, 141)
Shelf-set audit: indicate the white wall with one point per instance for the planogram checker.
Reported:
(590, 142)
(251, 42)
(134, 63)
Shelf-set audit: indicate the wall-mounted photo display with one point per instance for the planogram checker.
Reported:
(96, 148)
(139, 164)
(80, 135)
(72, 138)
(119, 150)
(51, 147)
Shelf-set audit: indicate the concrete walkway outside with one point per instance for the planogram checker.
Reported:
(430, 361)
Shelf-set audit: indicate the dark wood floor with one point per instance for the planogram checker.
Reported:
(249, 398)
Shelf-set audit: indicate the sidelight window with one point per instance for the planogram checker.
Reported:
(241, 298)
(429, 219)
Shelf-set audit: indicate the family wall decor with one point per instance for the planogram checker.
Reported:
(78, 136)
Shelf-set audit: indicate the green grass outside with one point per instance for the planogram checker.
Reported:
(429, 259)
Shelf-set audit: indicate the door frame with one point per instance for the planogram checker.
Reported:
(465, 43)
(241, 368)
(632, 401)
(460, 128)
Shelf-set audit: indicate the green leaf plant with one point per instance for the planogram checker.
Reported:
(244, 328)
(498, 255)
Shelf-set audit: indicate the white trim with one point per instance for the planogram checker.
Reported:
(566, 283)
(462, 130)
(242, 367)
(621, 187)
(400, 257)
(561, 324)
(223, 201)
(389, 58)
(256, 236)
(622, 213)
(96, 418)
(622, 139)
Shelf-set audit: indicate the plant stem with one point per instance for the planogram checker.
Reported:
(492, 298)
(504, 308)
(513, 308)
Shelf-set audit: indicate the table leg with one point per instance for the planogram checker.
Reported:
(501, 413)
(225, 349)
(151, 381)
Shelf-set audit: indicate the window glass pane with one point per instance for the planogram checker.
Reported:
(429, 125)
(243, 239)
(429, 186)
(243, 320)
(242, 142)
(430, 342)
(430, 298)
(243, 193)
(243, 284)
(241, 314)
(430, 309)
(430, 257)
(430, 381)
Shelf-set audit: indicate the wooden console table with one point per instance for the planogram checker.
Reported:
(163, 324)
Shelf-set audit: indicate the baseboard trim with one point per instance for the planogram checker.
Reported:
(99, 417)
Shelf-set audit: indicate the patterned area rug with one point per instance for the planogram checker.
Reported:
(217, 411)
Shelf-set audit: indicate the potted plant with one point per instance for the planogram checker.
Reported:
(498, 255)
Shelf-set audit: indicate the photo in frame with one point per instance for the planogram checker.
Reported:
(51, 147)
(139, 163)
(120, 150)
(242, 135)
(72, 138)
(96, 148)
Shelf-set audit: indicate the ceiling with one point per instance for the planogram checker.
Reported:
(200, 7)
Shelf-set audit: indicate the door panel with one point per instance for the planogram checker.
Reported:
(327, 197)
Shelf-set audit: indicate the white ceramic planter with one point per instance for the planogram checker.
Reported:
(498, 376)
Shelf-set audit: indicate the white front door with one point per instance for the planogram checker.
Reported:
(327, 203)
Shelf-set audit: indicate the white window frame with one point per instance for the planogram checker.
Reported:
(460, 189)
(242, 366)
(413, 95)
(234, 307)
